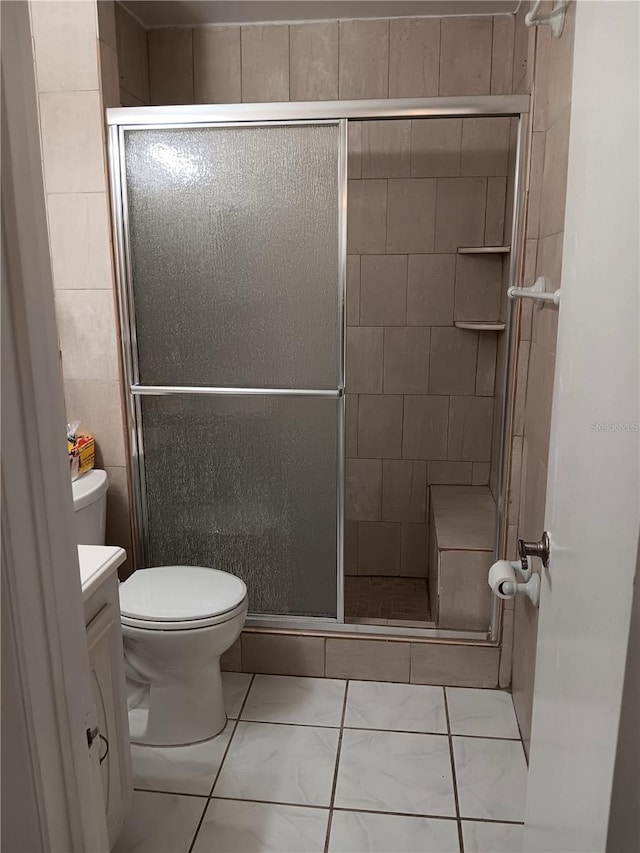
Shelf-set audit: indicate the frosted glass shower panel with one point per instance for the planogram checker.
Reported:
(247, 485)
(234, 238)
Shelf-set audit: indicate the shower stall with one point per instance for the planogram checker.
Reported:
(303, 373)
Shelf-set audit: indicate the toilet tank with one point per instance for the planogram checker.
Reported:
(90, 507)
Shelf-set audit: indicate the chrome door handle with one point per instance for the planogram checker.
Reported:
(534, 549)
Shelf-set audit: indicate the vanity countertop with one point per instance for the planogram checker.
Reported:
(97, 562)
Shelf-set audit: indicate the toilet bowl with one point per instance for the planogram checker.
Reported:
(176, 623)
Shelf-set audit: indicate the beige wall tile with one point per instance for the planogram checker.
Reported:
(133, 57)
(522, 37)
(506, 650)
(364, 59)
(265, 63)
(383, 290)
(414, 556)
(65, 35)
(460, 213)
(485, 146)
(554, 179)
(539, 397)
(464, 601)
(380, 426)
(411, 215)
(414, 57)
(480, 474)
(351, 424)
(456, 665)
(435, 147)
(465, 56)
(79, 233)
(87, 334)
(549, 262)
(282, 654)
(515, 477)
(425, 427)
(171, 66)
(97, 407)
(470, 421)
(536, 166)
(404, 491)
(216, 65)
(378, 548)
(107, 23)
(71, 124)
(453, 361)
(450, 473)
(522, 368)
(430, 290)
(351, 547)
(561, 68)
(478, 287)
(486, 369)
(118, 530)
(231, 660)
(502, 55)
(314, 62)
(353, 290)
(363, 489)
(354, 149)
(109, 76)
(368, 660)
(364, 359)
(406, 360)
(367, 217)
(494, 225)
(386, 149)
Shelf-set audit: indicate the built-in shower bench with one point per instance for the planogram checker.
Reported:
(462, 529)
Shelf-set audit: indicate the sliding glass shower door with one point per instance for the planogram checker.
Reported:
(234, 245)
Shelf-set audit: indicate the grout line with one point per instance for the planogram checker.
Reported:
(226, 752)
(171, 793)
(335, 773)
(453, 771)
(428, 815)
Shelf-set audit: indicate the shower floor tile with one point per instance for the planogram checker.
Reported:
(376, 599)
(380, 781)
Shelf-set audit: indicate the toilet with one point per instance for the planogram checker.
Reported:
(90, 506)
(177, 621)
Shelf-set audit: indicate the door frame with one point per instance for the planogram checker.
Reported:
(53, 794)
(122, 119)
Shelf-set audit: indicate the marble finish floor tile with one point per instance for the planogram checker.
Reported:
(357, 832)
(293, 699)
(491, 837)
(491, 778)
(488, 713)
(180, 769)
(239, 827)
(395, 772)
(160, 823)
(234, 688)
(279, 764)
(395, 707)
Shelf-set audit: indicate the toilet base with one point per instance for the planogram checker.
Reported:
(179, 713)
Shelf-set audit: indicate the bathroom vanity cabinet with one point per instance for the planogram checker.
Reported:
(98, 570)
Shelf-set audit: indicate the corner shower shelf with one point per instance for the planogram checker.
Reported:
(484, 250)
(479, 326)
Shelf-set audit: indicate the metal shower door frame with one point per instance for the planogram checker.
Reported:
(122, 119)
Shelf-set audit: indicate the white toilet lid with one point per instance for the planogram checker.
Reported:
(180, 593)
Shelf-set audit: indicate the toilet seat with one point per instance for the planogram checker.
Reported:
(179, 598)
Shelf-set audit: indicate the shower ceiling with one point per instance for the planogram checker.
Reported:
(162, 13)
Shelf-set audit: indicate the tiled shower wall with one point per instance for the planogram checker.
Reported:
(542, 66)
(419, 390)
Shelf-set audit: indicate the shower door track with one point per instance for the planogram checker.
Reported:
(224, 115)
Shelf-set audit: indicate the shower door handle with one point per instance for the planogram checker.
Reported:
(539, 549)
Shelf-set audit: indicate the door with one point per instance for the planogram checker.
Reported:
(235, 250)
(592, 510)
